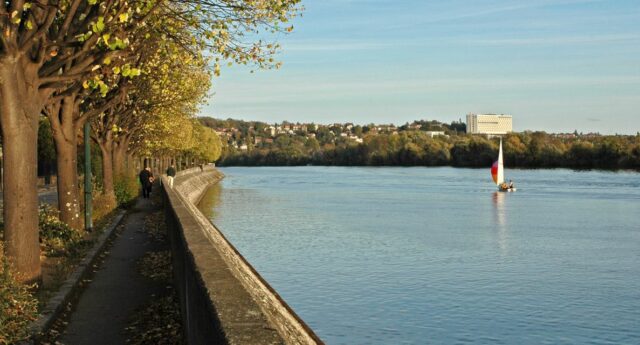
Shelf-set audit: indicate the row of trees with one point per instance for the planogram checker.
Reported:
(415, 148)
(135, 69)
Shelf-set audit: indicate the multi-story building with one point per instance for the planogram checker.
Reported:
(489, 124)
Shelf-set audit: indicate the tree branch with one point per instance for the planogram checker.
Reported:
(67, 21)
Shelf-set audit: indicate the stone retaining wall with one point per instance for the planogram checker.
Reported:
(223, 299)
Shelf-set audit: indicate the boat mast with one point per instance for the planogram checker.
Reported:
(500, 178)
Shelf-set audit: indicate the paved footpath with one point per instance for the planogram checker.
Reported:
(117, 289)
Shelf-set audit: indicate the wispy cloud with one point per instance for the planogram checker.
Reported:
(346, 45)
(479, 10)
(305, 88)
(334, 45)
(567, 40)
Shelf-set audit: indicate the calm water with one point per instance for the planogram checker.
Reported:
(434, 256)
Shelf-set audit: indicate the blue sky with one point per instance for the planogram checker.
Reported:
(555, 65)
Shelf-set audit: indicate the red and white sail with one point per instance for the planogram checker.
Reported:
(497, 169)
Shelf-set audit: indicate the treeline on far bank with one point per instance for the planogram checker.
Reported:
(417, 148)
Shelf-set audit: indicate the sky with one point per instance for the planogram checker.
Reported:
(554, 65)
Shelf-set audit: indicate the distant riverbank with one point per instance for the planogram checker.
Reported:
(416, 148)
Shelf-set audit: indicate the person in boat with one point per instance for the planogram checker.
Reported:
(504, 186)
(511, 184)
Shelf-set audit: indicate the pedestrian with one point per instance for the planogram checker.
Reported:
(151, 180)
(171, 173)
(146, 180)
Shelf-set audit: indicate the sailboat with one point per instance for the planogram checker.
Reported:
(497, 173)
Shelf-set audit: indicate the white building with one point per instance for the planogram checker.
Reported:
(435, 133)
(271, 130)
(490, 124)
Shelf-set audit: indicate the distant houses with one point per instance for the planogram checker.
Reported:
(243, 135)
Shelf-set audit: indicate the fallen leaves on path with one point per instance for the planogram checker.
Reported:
(157, 323)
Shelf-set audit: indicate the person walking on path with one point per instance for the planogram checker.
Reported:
(171, 173)
(146, 180)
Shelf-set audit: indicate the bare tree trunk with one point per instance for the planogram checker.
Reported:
(118, 163)
(106, 147)
(64, 135)
(119, 155)
(68, 189)
(20, 106)
(129, 166)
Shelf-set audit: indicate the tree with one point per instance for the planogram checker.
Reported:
(49, 49)
(45, 48)
(207, 143)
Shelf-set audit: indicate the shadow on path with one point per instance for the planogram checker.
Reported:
(117, 289)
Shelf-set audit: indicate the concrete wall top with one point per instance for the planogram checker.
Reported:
(249, 310)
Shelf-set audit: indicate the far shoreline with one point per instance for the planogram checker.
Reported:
(612, 170)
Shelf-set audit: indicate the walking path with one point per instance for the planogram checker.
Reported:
(117, 289)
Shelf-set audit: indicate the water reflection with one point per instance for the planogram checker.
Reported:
(500, 219)
(211, 200)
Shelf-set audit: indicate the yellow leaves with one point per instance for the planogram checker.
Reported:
(99, 26)
(128, 71)
(26, 6)
(84, 37)
(15, 19)
(96, 84)
(116, 70)
(123, 17)
(107, 61)
(29, 24)
(216, 69)
(103, 88)
(118, 44)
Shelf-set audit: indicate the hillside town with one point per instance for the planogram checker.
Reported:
(473, 143)
(243, 135)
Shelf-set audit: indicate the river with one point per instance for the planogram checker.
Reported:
(436, 256)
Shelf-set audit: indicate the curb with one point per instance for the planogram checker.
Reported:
(70, 287)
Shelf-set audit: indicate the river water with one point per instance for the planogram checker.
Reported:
(436, 256)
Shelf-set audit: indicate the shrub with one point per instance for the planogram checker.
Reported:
(56, 237)
(17, 306)
(102, 206)
(126, 188)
